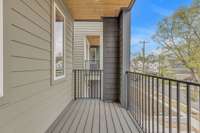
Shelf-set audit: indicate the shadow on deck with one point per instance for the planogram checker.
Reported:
(93, 116)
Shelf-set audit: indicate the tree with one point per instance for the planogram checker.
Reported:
(180, 34)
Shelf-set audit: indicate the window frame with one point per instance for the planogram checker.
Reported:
(1, 50)
(57, 8)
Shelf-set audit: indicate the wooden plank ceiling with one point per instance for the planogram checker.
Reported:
(94, 40)
(95, 9)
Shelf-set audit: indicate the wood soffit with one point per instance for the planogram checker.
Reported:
(96, 9)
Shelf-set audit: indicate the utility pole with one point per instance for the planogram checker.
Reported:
(143, 54)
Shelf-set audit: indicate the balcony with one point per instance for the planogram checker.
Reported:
(154, 105)
(94, 116)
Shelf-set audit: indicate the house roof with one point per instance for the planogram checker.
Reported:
(96, 9)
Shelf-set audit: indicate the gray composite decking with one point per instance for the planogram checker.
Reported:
(93, 116)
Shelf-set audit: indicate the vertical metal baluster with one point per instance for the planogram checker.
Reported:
(78, 84)
(170, 111)
(163, 105)
(135, 105)
(188, 109)
(74, 84)
(84, 83)
(157, 105)
(98, 76)
(145, 104)
(136, 97)
(152, 104)
(87, 91)
(94, 84)
(94, 78)
(139, 100)
(82, 86)
(97, 88)
(131, 91)
(91, 72)
(81, 83)
(178, 107)
(134, 91)
(142, 102)
(149, 118)
(133, 97)
(100, 83)
(127, 82)
(90, 86)
(97, 80)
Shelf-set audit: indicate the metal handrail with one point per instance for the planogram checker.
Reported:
(151, 95)
(92, 64)
(87, 83)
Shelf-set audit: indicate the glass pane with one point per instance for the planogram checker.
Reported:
(59, 44)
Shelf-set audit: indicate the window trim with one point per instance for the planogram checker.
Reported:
(1, 48)
(56, 7)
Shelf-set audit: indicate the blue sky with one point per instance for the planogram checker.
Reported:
(145, 15)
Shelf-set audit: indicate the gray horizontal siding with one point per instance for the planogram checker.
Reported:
(111, 59)
(81, 30)
(32, 102)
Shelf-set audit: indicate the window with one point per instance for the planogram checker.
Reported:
(59, 58)
(1, 48)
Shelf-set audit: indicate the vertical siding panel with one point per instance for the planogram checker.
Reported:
(111, 59)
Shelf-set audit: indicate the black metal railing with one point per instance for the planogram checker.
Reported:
(162, 105)
(92, 64)
(87, 84)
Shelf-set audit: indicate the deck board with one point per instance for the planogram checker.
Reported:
(94, 116)
(124, 124)
(89, 122)
(117, 122)
(83, 120)
(103, 125)
(110, 124)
